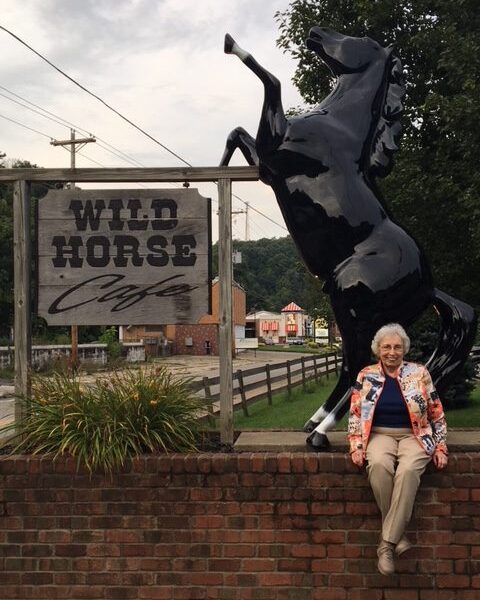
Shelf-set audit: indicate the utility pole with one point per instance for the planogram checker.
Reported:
(247, 231)
(75, 144)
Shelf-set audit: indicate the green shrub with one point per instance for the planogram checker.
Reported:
(103, 424)
(114, 347)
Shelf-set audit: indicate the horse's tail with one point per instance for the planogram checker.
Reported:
(459, 326)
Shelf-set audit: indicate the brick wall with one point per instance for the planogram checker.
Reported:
(198, 334)
(235, 526)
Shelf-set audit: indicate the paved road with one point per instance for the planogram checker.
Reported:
(208, 366)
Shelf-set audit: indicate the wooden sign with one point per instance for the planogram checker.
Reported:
(121, 257)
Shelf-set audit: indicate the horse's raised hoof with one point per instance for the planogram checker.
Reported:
(310, 426)
(229, 42)
(318, 442)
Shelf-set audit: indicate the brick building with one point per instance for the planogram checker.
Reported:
(195, 339)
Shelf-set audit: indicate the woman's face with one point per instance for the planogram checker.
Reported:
(391, 351)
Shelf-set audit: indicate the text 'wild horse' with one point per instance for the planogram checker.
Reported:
(322, 166)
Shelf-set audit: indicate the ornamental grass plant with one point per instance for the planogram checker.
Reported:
(105, 423)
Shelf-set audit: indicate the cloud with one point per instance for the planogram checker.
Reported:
(160, 62)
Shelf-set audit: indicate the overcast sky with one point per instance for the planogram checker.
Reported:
(159, 62)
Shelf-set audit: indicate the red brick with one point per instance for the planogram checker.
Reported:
(258, 564)
(273, 551)
(452, 552)
(328, 565)
(467, 537)
(401, 595)
(205, 578)
(360, 508)
(257, 508)
(238, 550)
(433, 510)
(124, 536)
(307, 551)
(155, 593)
(346, 580)
(274, 579)
(439, 595)
(83, 592)
(466, 481)
(256, 479)
(330, 594)
(411, 580)
(453, 581)
(326, 508)
(453, 495)
(120, 593)
(291, 508)
(435, 566)
(224, 564)
(205, 494)
(466, 508)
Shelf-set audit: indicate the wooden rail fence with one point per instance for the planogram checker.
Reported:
(247, 386)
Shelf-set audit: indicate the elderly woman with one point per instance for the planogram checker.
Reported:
(397, 426)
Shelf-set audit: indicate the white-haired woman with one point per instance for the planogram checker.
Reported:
(397, 426)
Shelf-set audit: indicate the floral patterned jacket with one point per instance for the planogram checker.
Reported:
(423, 404)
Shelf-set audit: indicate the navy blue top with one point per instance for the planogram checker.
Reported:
(391, 410)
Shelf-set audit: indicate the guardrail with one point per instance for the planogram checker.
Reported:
(293, 372)
(96, 352)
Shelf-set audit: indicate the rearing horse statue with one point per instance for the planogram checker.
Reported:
(322, 166)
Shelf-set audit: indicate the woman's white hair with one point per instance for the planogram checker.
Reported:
(390, 329)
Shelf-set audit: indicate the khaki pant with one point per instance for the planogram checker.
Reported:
(396, 461)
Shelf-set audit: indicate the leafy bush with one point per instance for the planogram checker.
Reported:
(103, 424)
(424, 338)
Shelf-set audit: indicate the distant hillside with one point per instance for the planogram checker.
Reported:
(273, 275)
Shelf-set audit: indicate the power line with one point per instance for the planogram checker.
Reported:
(75, 82)
(126, 119)
(25, 126)
(64, 123)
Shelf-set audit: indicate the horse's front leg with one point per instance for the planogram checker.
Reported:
(273, 124)
(242, 140)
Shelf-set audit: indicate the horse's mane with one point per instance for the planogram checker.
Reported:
(388, 130)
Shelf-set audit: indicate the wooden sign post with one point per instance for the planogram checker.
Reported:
(71, 294)
(22, 269)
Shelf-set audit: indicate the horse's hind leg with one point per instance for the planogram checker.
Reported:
(242, 140)
(356, 355)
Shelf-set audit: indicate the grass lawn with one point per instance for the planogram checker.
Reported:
(466, 417)
(285, 412)
(293, 412)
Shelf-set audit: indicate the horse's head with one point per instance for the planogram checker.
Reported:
(342, 53)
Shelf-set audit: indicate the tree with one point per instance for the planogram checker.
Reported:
(39, 325)
(273, 275)
(434, 189)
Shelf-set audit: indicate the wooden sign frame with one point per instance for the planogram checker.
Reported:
(22, 260)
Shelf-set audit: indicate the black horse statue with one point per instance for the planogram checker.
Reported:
(322, 166)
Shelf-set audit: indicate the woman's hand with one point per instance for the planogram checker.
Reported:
(440, 460)
(357, 458)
